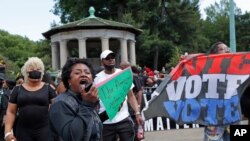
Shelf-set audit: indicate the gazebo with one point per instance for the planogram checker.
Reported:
(88, 37)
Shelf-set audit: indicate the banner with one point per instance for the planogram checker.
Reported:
(113, 91)
(161, 123)
(202, 89)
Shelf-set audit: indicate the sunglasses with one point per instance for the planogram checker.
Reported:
(110, 57)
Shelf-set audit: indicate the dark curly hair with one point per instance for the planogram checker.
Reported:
(214, 47)
(67, 68)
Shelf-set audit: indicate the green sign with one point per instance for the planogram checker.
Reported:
(113, 91)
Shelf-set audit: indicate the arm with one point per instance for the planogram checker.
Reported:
(140, 98)
(60, 88)
(133, 103)
(138, 90)
(52, 93)
(10, 119)
(68, 124)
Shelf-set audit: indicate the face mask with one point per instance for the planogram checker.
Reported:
(35, 74)
(109, 68)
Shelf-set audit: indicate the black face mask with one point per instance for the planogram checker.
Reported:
(108, 68)
(35, 74)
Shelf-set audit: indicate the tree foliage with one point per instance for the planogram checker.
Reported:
(243, 32)
(16, 49)
(216, 24)
(167, 26)
(170, 28)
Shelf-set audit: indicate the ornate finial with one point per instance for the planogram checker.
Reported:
(92, 12)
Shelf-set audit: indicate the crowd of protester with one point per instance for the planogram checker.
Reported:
(36, 108)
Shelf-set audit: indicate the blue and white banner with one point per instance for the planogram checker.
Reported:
(161, 123)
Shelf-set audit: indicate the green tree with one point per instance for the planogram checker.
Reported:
(43, 51)
(166, 26)
(165, 23)
(16, 49)
(8, 43)
(243, 32)
(72, 10)
(220, 9)
(174, 60)
(216, 24)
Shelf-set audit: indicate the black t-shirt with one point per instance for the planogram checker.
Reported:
(32, 105)
(138, 84)
(4, 98)
(245, 103)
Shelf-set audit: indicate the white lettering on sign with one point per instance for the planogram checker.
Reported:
(193, 84)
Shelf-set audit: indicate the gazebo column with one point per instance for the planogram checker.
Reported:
(124, 50)
(54, 56)
(105, 43)
(82, 48)
(132, 52)
(63, 52)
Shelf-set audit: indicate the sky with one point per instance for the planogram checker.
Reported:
(242, 4)
(31, 18)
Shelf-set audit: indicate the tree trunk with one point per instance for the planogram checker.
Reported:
(120, 9)
(156, 58)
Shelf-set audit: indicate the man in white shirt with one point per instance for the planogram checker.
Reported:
(121, 125)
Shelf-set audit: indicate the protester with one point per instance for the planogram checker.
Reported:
(137, 91)
(150, 72)
(48, 80)
(3, 105)
(9, 84)
(60, 88)
(121, 125)
(2, 66)
(138, 84)
(73, 114)
(217, 133)
(245, 104)
(31, 100)
(19, 80)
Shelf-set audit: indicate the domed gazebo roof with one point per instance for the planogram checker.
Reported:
(91, 22)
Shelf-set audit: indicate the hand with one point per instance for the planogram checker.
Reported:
(139, 119)
(10, 138)
(91, 95)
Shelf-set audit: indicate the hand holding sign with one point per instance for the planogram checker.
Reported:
(113, 91)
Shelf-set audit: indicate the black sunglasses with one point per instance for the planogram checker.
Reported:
(110, 57)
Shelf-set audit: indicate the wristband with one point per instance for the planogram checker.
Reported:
(7, 134)
(137, 113)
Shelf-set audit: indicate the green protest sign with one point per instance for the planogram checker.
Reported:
(113, 91)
